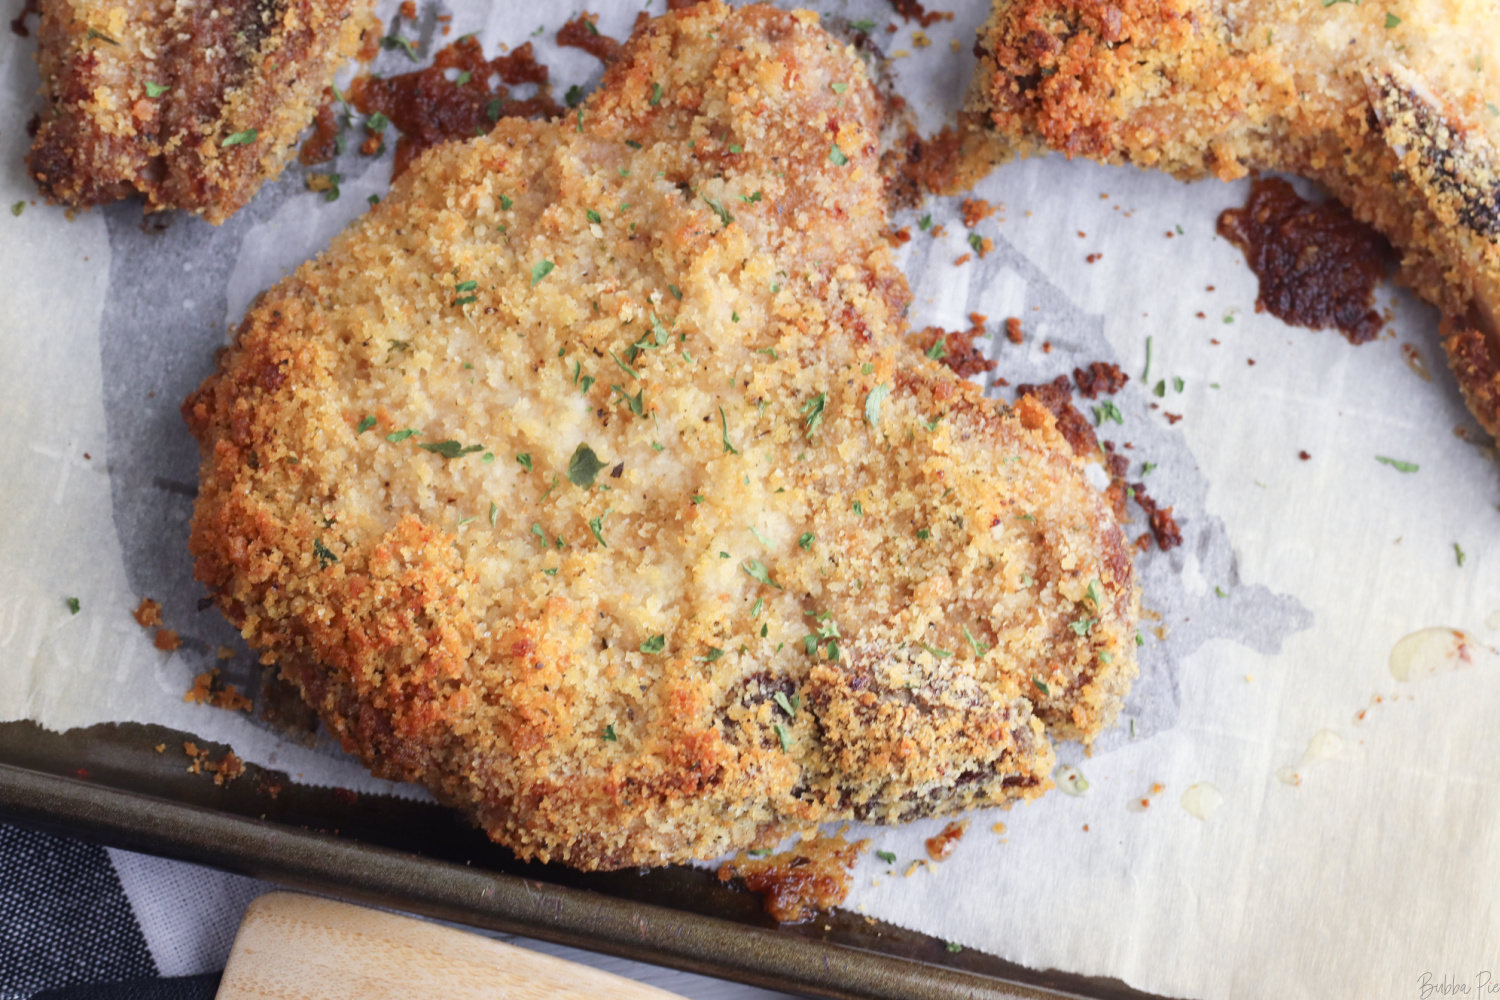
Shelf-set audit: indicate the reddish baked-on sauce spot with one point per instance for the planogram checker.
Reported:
(1317, 265)
(814, 875)
(429, 109)
(323, 144)
(940, 848)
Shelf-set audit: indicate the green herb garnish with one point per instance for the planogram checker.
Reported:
(655, 644)
(244, 138)
(364, 425)
(584, 466)
(756, 570)
(451, 449)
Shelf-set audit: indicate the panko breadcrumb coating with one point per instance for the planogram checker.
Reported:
(588, 480)
(192, 106)
(1393, 108)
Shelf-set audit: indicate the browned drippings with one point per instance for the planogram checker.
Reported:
(940, 848)
(1318, 266)
(429, 109)
(814, 875)
(583, 33)
(955, 349)
(912, 10)
(323, 144)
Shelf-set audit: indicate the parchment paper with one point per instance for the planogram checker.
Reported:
(1353, 874)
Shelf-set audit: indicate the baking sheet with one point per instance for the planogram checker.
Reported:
(1278, 614)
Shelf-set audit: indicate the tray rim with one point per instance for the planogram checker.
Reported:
(371, 875)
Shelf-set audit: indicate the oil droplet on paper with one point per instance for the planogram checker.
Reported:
(1325, 745)
(1202, 800)
(1432, 651)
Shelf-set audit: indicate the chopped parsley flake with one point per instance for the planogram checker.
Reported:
(719, 210)
(364, 425)
(760, 538)
(836, 156)
(787, 705)
(637, 403)
(155, 89)
(1093, 593)
(451, 449)
(1219, 591)
(537, 530)
(953, 946)
(74, 605)
(18, 208)
(505, 203)
(714, 652)
(596, 525)
(676, 292)
(540, 271)
(574, 96)
(494, 512)
(805, 542)
(1458, 551)
(784, 737)
(1108, 411)
(592, 215)
(697, 499)
(1178, 383)
(1147, 467)
(655, 644)
(938, 351)
(624, 367)
(813, 411)
(864, 24)
(977, 242)
(525, 459)
(756, 570)
(244, 138)
(755, 608)
(584, 466)
(858, 508)
(390, 42)
(1160, 389)
(1397, 464)
(396, 437)
(325, 556)
(655, 94)
(1146, 375)
(1082, 625)
(464, 78)
(924, 533)
(1040, 686)
(751, 199)
(838, 88)
(924, 223)
(979, 648)
(889, 857)
(724, 422)
(609, 733)
(736, 149)
(941, 654)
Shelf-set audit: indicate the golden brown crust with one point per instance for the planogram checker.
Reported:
(816, 576)
(142, 97)
(1393, 114)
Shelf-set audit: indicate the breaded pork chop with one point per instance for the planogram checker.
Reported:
(1392, 107)
(588, 481)
(192, 106)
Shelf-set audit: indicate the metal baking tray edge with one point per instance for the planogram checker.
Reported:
(38, 789)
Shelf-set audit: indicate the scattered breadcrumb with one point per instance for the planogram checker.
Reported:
(975, 211)
(148, 615)
(208, 690)
(167, 640)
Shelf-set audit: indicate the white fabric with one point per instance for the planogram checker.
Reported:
(189, 916)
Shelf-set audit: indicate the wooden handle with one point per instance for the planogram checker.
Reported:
(303, 948)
